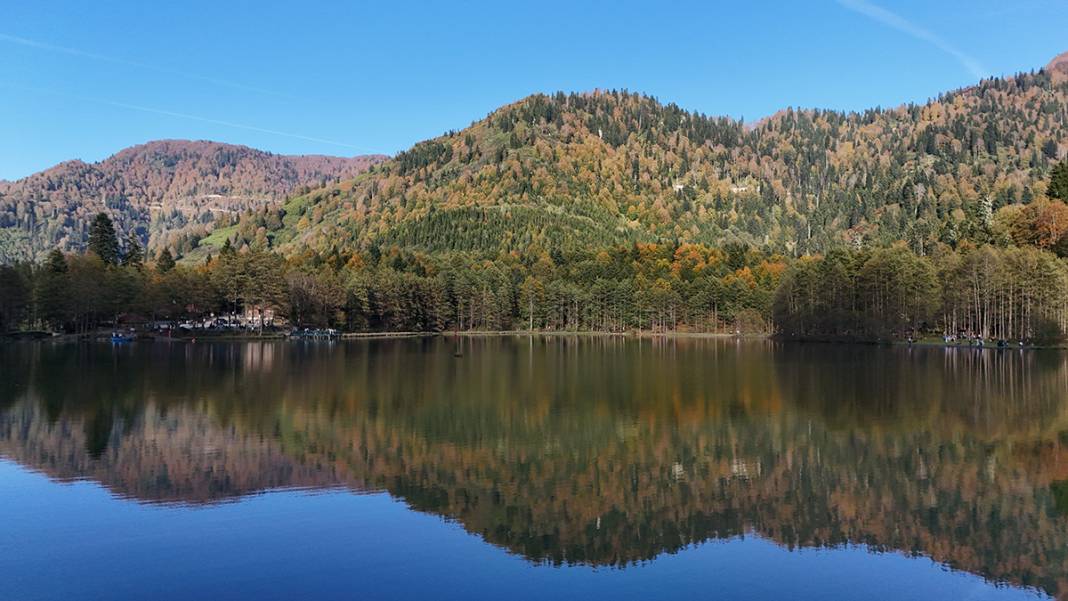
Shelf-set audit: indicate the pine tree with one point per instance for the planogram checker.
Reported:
(1058, 182)
(165, 261)
(51, 295)
(135, 256)
(103, 241)
(56, 262)
(1050, 149)
(14, 297)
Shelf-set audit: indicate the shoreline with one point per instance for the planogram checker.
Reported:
(923, 342)
(594, 333)
(16, 337)
(209, 337)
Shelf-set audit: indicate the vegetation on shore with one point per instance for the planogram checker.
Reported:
(1009, 280)
(640, 287)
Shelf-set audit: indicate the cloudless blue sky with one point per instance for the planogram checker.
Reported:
(86, 79)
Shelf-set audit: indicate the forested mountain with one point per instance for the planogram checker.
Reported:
(603, 168)
(612, 212)
(169, 193)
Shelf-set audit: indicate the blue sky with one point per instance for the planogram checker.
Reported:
(84, 80)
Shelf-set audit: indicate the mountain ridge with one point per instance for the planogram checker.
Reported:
(537, 170)
(605, 168)
(163, 191)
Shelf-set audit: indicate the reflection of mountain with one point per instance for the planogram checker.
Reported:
(178, 455)
(586, 451)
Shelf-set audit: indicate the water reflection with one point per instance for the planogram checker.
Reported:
(576, 450)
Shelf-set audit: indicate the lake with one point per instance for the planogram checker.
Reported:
(532, 468)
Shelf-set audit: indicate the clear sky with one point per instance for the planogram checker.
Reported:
(86, 79)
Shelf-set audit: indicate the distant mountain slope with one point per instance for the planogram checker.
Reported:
(168, 191)
(614, 167)
(1058, 67)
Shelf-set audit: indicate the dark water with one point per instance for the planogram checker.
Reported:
(532, 469)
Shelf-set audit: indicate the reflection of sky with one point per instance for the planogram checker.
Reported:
(76, 541)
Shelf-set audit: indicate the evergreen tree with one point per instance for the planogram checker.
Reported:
(56, 262)
(103, 241)
(14, 297)
(135, 256)
(165, 261)
(1058, 182)
(1049, 148)
(51, 292)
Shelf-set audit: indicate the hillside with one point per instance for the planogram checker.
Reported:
(589, 170)
(585, 171)
(612, 212)
(169, 192)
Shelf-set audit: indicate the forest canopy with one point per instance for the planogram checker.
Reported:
(1009, 283)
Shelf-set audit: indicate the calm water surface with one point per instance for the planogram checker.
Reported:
(568, 468)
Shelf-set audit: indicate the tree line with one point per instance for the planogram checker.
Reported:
(1007, 280)
(641, 286)
(1018, 294)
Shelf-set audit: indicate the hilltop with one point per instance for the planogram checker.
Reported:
(170, 192)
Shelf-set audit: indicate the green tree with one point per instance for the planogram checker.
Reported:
(531, 298)
(266, 284)
(56, 262)
(90, 291)
(1049, 148)
(1058, 182)
(165, 261)
(230, 277)
(103, 241)
(135, 255)
(14, 297)
(51, 294)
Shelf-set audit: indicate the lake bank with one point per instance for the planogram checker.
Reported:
(38, 336)
(277, 335)
(924, 342)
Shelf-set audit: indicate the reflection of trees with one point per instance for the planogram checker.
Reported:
(605, 457)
